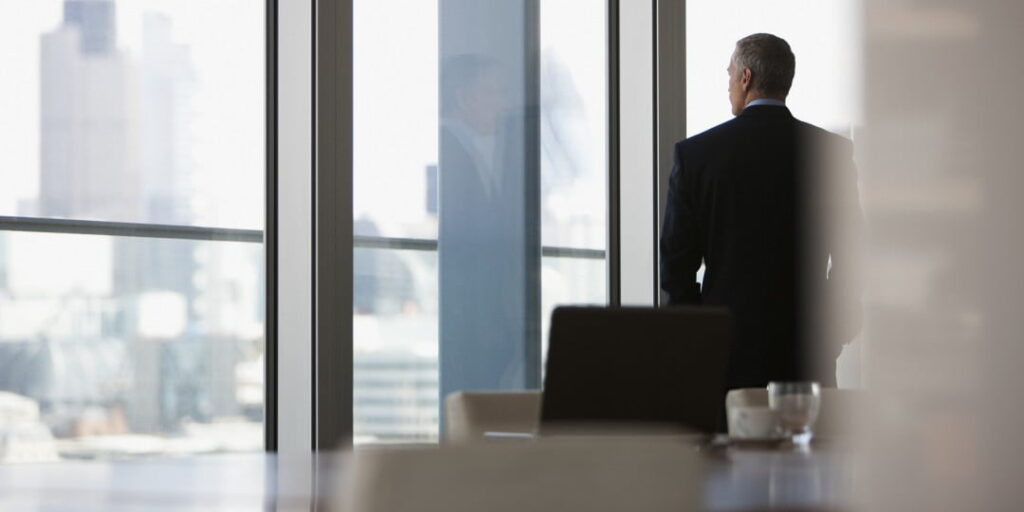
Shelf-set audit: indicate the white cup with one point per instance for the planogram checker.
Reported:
(752, 422)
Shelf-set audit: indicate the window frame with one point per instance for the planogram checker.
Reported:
(308, 200)
(631, 201)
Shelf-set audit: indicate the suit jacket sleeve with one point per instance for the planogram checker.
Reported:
(681, 243)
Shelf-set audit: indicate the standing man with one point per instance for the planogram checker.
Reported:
(769, 205)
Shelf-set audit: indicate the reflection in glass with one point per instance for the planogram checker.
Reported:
(489, 234)
(484, 135)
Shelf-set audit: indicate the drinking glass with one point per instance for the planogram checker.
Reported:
(797, 405)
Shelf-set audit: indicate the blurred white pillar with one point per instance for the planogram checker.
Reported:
(942, 185)
(637, 172)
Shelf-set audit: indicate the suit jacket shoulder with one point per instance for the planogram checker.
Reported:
(698, 147)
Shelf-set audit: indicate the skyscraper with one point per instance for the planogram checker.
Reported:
(89, 119)
(114, 148)
(97, 24)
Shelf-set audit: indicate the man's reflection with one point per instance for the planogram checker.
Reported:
(481, 241)
(471, 110)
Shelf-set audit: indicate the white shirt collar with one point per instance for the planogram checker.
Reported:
(766, 101)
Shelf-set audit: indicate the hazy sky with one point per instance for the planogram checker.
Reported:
(395, 93)
(226, 117)
(822, 34)
(396, 120)
(396, 90)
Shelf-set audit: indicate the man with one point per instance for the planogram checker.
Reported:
(769, 205)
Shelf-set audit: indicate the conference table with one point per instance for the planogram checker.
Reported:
(735, 478)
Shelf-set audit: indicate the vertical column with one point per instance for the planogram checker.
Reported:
(333, 232)
(293, 281)
(294, 227)
(670, 99)
(637, 153)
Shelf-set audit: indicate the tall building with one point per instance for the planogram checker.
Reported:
(115, 147)
(89, 118)
(97, 24)
(167, 81)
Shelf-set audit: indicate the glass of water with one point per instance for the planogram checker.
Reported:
(796, 404)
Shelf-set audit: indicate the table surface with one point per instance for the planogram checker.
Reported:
(736, 479)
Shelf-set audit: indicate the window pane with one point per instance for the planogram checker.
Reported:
(140, 111)
(132, 346)
(573, 126)
(480, 134)
(148, 112)
(395, 352)
(570, 280)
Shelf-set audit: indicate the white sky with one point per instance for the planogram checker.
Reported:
(396, 102)
(395, 92)
(227, 120)
(396, 88)
(822, 34)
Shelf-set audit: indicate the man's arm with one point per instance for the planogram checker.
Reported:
(681, 244)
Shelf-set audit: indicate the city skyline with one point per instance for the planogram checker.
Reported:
(153, 295)
(221, 124)
(153, 344)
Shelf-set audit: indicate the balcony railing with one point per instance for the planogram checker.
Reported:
(203, 233)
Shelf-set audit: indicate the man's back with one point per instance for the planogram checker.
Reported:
(738, 200)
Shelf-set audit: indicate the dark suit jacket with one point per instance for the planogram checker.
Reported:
(764, 200)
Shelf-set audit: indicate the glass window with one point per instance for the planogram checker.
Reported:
(480, 197)
(140, 111)
(134, 140)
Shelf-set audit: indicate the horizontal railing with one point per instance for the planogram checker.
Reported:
(129, 229)
(203, 233)
(423, 244)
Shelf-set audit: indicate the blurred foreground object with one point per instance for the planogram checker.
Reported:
(473, 414)
(23, 437)
(593, 474)
(942, 194)
(840, 410)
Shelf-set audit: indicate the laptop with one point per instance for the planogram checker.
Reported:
(630, 367)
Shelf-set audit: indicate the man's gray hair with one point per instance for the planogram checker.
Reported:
(770, 61)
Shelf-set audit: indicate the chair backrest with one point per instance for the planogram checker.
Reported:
(839, 407)
(620, 367)
(539, 476)
(470, 414)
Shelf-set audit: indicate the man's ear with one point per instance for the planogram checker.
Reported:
(745, 79)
